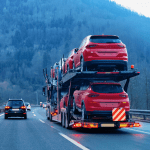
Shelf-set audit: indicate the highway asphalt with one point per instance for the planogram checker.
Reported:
(38, 133)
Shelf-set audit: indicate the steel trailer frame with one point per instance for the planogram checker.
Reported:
(70, 79)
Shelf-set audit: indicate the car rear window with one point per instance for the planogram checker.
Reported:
(107, 88)
(15, 103)
(105, 39)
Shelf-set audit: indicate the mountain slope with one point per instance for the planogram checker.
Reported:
(36, 33)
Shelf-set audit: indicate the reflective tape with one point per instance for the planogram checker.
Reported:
(118, 114)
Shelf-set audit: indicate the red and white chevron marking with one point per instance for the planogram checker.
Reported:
(118, 114)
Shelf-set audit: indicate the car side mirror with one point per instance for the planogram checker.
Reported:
(76, 49)
(77, 88)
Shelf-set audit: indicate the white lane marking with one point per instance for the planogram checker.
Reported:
(34, 115)
(138, 131)
(73, 141)
(42, 121)
(32, 112)
(2, 114)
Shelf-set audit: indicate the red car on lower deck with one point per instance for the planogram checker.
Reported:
(64, 101)
(99, 99)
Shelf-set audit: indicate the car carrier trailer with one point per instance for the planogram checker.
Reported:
(69, 81)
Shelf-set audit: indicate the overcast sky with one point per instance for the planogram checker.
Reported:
(142, 7)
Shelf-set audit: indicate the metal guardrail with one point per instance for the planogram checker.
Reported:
(142, 115)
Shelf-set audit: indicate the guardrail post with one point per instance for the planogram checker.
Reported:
(130, 115)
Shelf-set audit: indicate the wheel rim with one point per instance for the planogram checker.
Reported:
(81, 64)
(73, 106)
(73, 66)
(83, 112)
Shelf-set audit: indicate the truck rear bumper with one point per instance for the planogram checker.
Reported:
(103, 114)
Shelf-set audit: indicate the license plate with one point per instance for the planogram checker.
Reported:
(107, 125)
(15, 109)
(109, 104)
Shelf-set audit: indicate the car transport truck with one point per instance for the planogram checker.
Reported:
(78, 100)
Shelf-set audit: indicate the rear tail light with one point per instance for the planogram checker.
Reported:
(90, 46)
(77, 125)
(121, 46)
(93, 95)
(137, 125)
(132, 66)
(90, 125)
(7, 107)
(23, 107)
(123, 95)
(122, 54)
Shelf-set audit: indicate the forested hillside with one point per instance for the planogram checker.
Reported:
(36, 33)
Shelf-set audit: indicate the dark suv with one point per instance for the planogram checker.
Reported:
(15, 108)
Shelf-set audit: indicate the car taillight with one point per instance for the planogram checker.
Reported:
(23, 107)
(90, 46)
(7, 107)
(93, 95)
(123, 95)
(123, 46)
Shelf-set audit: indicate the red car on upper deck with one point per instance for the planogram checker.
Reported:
(98, 99)
(101, 53)
(69, 61)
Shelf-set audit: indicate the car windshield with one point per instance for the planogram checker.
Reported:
(105, 39)
(107, 88)
(15, 103)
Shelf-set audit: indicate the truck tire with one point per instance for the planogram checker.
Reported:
(66, 121)
(47, 114)
(75, 111)
(83, 111)
(50, 115)
(5, 116)
(62, 120)
(25, 116)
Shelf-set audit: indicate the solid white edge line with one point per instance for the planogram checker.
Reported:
(42, 121)
(138, 131)
(73, 141)
(34, 115)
